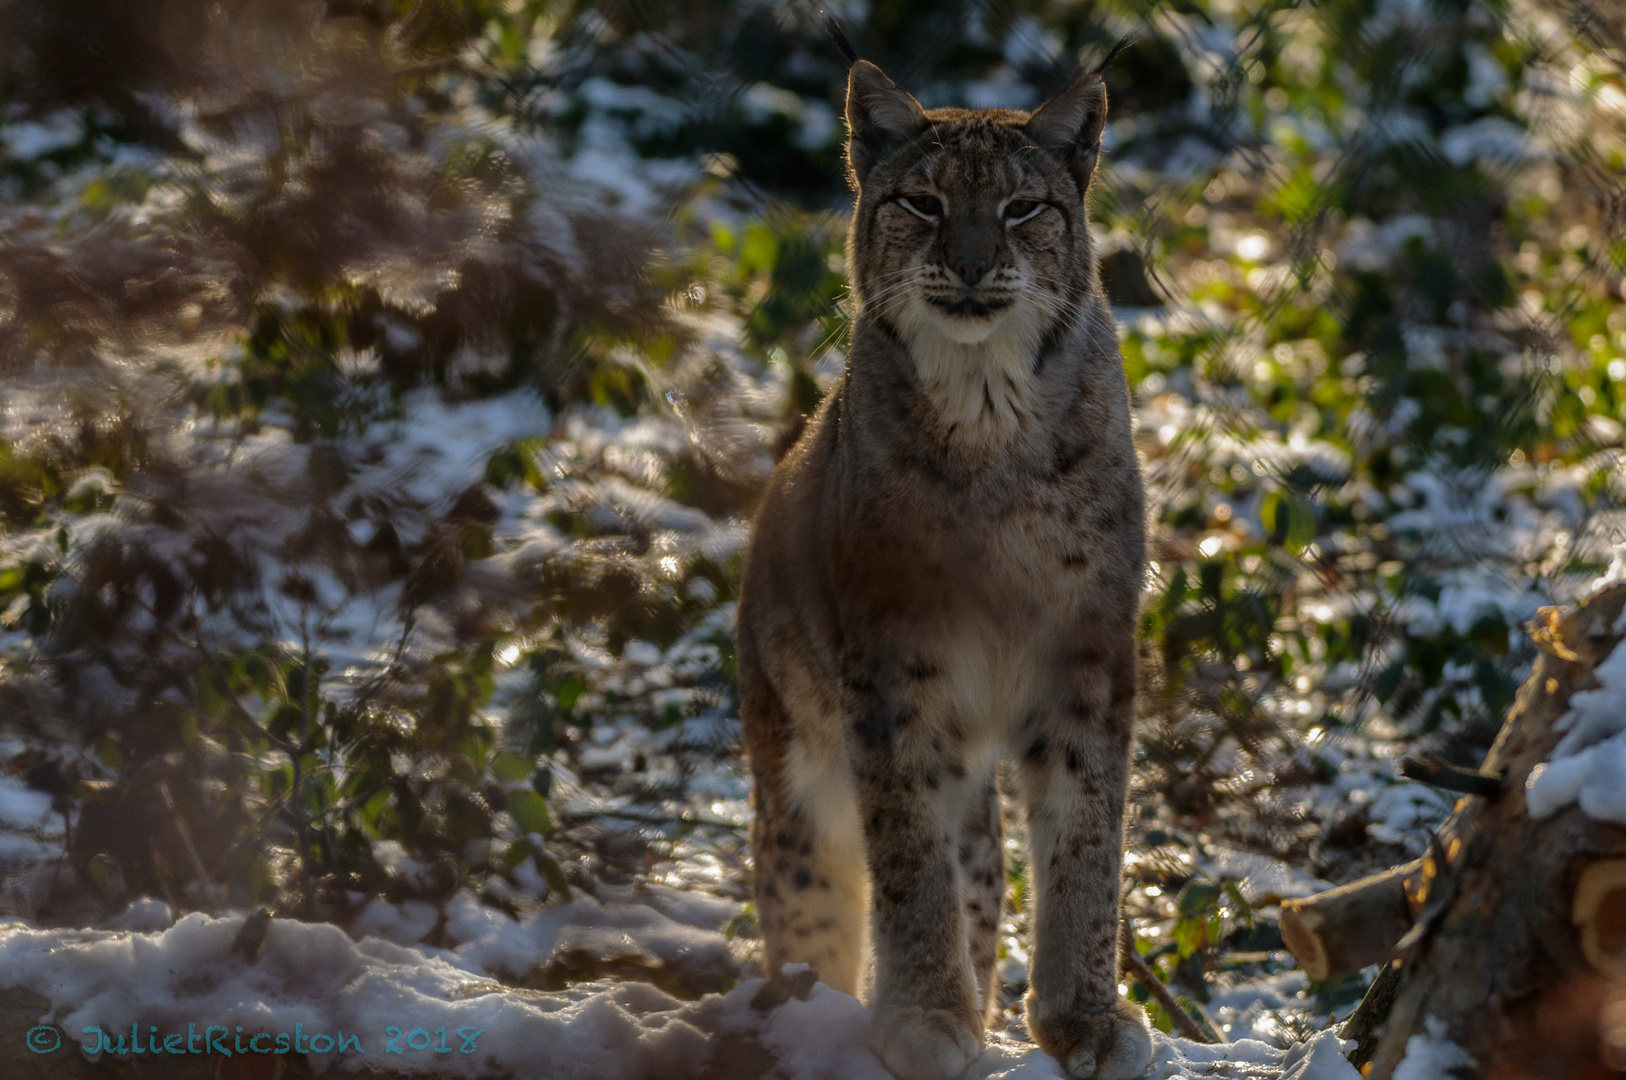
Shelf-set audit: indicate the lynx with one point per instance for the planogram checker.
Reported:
(946, 569)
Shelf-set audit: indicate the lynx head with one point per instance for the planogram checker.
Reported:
(970, 221)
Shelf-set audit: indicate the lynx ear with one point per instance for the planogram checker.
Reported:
(1069, 125)
(880, 117)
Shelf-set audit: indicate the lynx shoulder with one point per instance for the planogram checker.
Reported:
(945, 570)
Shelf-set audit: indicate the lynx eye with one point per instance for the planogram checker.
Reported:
(1019, 210)
(926, 207)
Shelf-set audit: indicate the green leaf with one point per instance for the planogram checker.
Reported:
(510, 768)
(1200, 1017)
(258, 673)
(213, 700)
(287, 721)
(553, 872)
(275, 782)
(530, 810)
(1244, 909)
(570, 690)
(1188, 936)
(1388, 680)
(371, 812)
(1291, 523)
(1198, 897)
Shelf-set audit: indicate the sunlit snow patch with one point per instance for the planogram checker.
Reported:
(316, 979)
(1588, 766)
(1431, 1056)
(30, 830)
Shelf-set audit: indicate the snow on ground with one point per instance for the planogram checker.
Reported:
(1253, 1010)
(1262, 880)
(1431, 1056)
(373, 1004)
(1318, 1059)
(28, 825)
(1588, 766)
(490, 941)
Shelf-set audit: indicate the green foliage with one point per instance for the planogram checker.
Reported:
(320, 779)
(187, 611)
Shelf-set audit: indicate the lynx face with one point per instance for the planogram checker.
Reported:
(971, 239)
(971, 232)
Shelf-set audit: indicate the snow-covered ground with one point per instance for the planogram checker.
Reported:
(375, 1005)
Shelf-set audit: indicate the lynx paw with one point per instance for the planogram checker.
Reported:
(1111, 1045)
(924, 1044)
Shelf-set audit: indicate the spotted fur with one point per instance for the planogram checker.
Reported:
(946, 570)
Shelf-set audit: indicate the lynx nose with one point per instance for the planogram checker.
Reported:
(970, 268)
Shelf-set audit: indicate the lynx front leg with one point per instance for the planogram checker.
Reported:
(928, 1020)
(982, 876)
(1074, 771)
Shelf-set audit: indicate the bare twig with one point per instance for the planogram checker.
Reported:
(685, 818)
(1432, 770)
(1141, 972)
(191, 849)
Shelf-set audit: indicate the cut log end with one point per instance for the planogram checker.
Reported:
(1340, 931)
(1599, 915)
(1301, 931)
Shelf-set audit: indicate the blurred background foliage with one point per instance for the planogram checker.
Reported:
(387, 385)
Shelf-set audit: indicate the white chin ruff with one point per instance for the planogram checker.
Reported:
(978, 372)
(964, 330)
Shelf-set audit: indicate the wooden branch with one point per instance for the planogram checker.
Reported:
(1340, 931)
(1436, 772)
(179, 822)
(1139, 970)
(687, 817)
(1365, 1025)
(1598, 913)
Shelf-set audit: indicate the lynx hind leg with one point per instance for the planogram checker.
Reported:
(982, 873)
(811, 884)
(810, 899)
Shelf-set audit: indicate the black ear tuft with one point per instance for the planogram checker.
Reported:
(1112, 54)
(881, 116)
(1069, 125)
(839, 36)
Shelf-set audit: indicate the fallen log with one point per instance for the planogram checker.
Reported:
(1339, 932)
(1509, 936)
